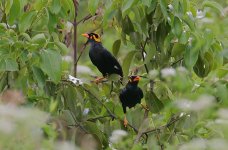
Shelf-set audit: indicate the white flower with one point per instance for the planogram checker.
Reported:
(196, 144)
(67, 58)
(189, 13)
(223, 113)
(74, 80)
(170, 7)
(65, 146)
(203, 102)
(84, 69)
(153, 74)
(117, 136)
(220, 144)
(182, 69)
(200, 14)
(86, 111)
(168, 72)
(6, 126)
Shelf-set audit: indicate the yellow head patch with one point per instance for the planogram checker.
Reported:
(96, 38)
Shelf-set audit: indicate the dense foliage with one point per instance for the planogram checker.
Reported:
(178, 46)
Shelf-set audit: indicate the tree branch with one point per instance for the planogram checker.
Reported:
(174, 63)
(141, 133)
(75, 36)
(99, 101)
(87, 17)
(164, 126)
(81, 51)
(143, 51)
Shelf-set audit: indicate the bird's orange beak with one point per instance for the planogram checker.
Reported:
(137, 78)
(85, 35)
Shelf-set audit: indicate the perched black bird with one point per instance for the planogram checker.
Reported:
(131, 95)
(102, 58)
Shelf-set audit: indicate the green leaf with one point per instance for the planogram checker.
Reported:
(177, 50)
(68, 7)
(93, 129)
(128, 5)
(108, 15)
(116, 47)
(39, 76)
(204, 65)
(214, 5)
(55, 6)
(40, 4)
(223, 71)
(70, 96)
(127, 62)
(14, 11)
(25, 36)
(189, 20)
(163, 6)
(127, 25)
(8, 64)
(92, 5)
(192, 52)
(146, 2)
(150, 53)
(62, 47)
(8, 5)
(177, 27)
(152, 101)
(135, 38)
(26, 21)
(39, 39)
(51, 64)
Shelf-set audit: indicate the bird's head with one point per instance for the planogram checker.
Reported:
(134, 79)
(92, 37)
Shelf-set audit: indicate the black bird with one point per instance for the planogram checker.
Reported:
(105, 62)
(131, 95)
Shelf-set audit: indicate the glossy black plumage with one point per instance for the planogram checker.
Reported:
(131, 94)
(102, 58)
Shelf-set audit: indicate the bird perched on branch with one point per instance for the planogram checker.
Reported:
(105, 62)
(131, 95)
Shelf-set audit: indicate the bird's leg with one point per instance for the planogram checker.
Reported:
(145, 107)
(125, 121)
(98, 80)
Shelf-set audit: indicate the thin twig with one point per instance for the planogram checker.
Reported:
(87, 17)
(141, 133)
(108, 110)
(81, 51)
(76, 122)
(174, 63)
(99, 117)
(144, 51)
(75, 36)
(164, 126)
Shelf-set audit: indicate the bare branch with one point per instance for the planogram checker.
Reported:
(164, 126)
(87, 17)
(174, 63)
(75, 36)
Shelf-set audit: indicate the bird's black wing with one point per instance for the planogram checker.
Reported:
(140, 93)
(112, 64)
(122, 99)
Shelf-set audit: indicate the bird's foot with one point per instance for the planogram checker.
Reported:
(145, 107)
(98, 80)
(125, 122)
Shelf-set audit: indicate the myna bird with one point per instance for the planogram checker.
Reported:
(105, 62)
(131, 95)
